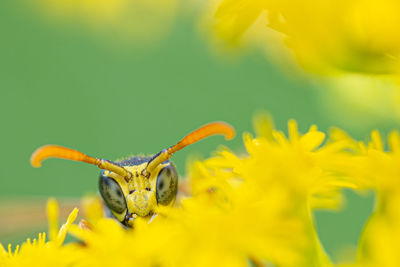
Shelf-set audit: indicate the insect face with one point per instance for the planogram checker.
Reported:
(140, 195)
(136, 186)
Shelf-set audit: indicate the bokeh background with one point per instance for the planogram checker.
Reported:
(112, 90)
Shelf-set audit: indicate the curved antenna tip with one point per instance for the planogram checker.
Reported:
(213, 128)
(54, 151)
(36, 164)
(229, 131)
(35, 159)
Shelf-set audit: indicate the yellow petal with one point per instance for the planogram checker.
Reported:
(65, 227)
(376, 140)
(312, 140)
(52, 217)
(394, 141)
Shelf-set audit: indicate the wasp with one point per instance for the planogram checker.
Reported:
(137, 185)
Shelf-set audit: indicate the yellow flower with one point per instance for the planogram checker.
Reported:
(197, 234)
(301, 164)
(351, 47)
(303, 172)
(356, 36)
(373, 166)
(38, 252)
(379, 170)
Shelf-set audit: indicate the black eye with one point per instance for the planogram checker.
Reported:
(112, 194)
(167, 185)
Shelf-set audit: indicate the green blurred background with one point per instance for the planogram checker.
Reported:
(60, 84)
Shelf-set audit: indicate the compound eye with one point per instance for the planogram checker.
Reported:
(112, 194)
(167, 185)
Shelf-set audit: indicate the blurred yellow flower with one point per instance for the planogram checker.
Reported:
(118, 20)
(356, 36)
(379, 170)
(351, 46)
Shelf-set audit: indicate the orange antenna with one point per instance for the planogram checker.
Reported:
(205, 131)
(53, 151)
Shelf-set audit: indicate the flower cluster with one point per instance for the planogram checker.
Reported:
(362, 39)
(349, 47)
(378, 170)
(253, 208)
(39, 252)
